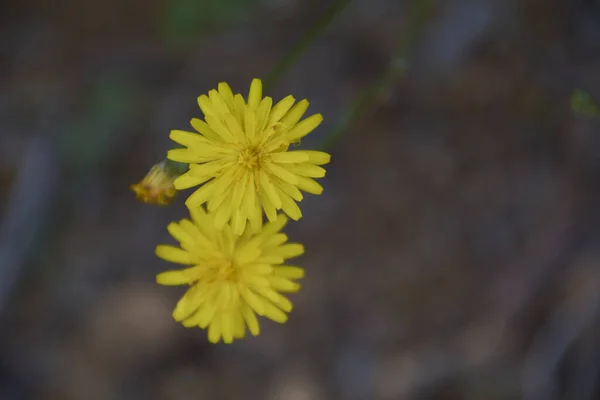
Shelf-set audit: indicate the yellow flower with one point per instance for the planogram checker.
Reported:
(157, 186)
(241, 157)
(232, 278)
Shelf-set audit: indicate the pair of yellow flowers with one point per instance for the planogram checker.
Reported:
(240, 157)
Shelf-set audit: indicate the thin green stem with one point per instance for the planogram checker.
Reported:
(294, 54)
(396, 67)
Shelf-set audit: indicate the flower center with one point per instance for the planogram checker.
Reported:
(227, 272)
(249, 157)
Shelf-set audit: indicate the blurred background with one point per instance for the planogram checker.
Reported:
(453, 255)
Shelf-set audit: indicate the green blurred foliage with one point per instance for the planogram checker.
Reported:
(88, 141)
(185, 20)
(583, 103)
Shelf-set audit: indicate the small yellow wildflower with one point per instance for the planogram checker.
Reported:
(241, 157)
(157, 186)
(232, 278)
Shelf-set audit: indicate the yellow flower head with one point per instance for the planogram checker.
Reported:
(232, 278)
(240, 157)
(157, 186)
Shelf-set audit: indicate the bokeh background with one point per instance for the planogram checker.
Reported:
(453, 255)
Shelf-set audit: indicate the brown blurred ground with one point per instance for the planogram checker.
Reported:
(453, 255)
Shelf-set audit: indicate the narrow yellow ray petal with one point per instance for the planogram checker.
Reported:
(283, 284)
(262, 114)
(221, 130)
(187, 181)
(293, 116)
(304, 127)
(226, 94)
(249, 122)
(289, 157)
(289, 250)
(205, 105)
(204, 129)
(239, 327)
(269, 189)
(227, 327)
(304, 169)
(318, 157)
(309, 185)
(177, 277)
(289, 189)
(214, 331)
(283, 173)
(289, 271)
(175, 255)
(217, 102)
(255, 93)
(280, 109)
(200, 196)
(251, 320)
(274, 313)
(289, 206)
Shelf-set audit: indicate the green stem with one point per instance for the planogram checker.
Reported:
(396, 67)
(295, 53)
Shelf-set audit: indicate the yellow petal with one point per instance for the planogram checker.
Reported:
(269, 189)
(200, 196)
(251, 320)
(275, 240)
(217, 102)
(239, 327)
(256, 217)
(282, 173)
(234, 127)
(187, 181)
(289, 250)
(289, 206)
(187, 139)
(214, 330)
(293, 116)
(280, 109)
(284, 303)
(203, 128)
(205, 316)
(270, 210)
(255, 93)
(174, 277)
(253, 301)
(185, 156)
(288, 271)
(312, 171)
(289, 189)
(318, 157)
(221, 130)
(283, 284)
(205, 105)
(249, 122)
(223, 214)
(180, 234)
(238, 223)
(288, 157)
(227, 327)
(226, 94)
(187, 305)
(209, 169)
(261, 269)
(175, 255)
(309, 185)
(247, 255)
(275, 313)
(262, 113)
(304, 127)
